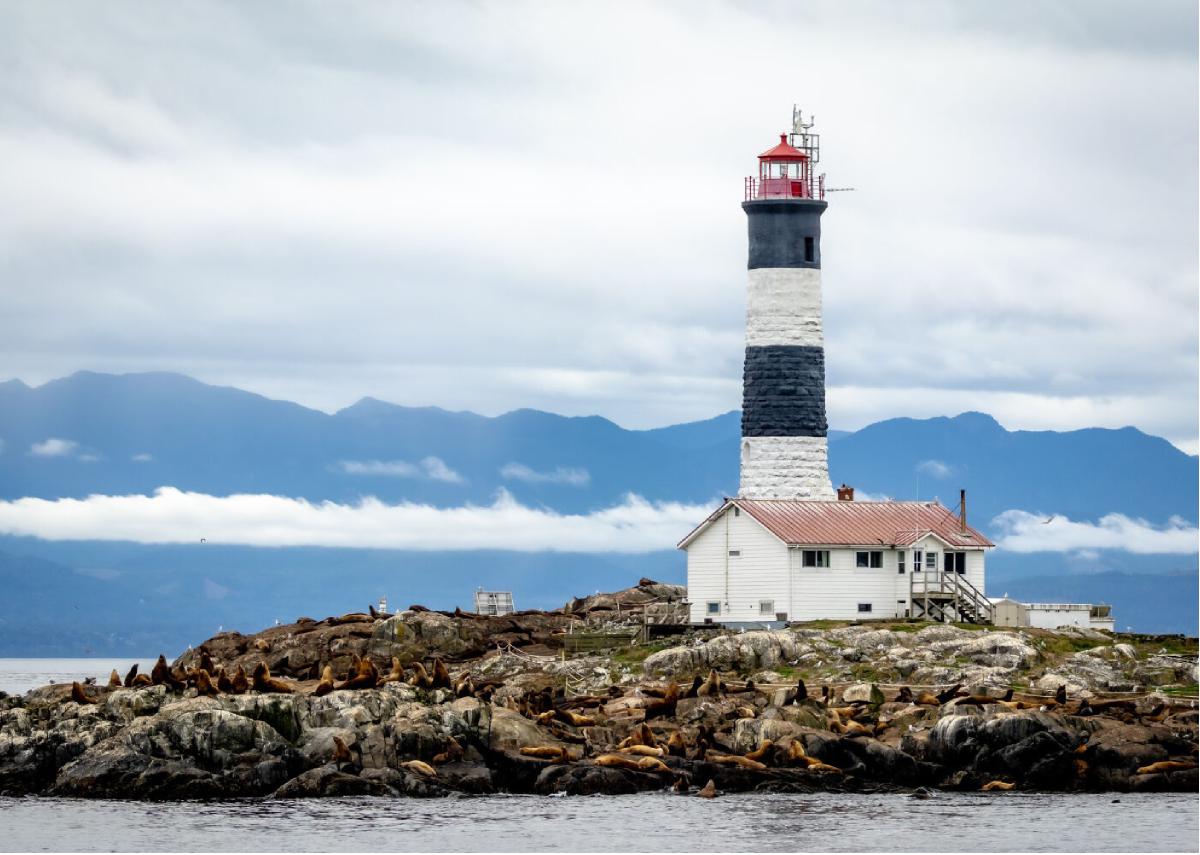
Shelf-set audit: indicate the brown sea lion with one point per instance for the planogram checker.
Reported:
(441, 675)
(420, 677)
(366, 675)
(544, 752)
(421, 768)
(576, 720)
(925, 699)
(1060, 696)
(746, 712)
(79, 696)
(396, 675)
(712, 686)
(666, 706)
(224, 684)
(141, 680)
(801, 691)
(465, 687)
(264, 682)
(262, 645)
(676, 746)
(708, 791)
(325, 685)
(452, 754)
(1165, 766)
(681, 784)
(652, 764)
(760, 753)
(694, 690)
(131, 675)
(545, 717)
(158, 674)
(644, 751)
(204, 683)
(114, 680)
(341, 752)
(991, 786)
(904, 696)
(944, 697)
(622, 761)
(240, 683)
(206, 663)
(734, 760)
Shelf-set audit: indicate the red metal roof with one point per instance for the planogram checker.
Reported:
(783, 151)
(853, 523)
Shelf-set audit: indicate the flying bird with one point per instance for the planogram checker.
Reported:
(1047, 522)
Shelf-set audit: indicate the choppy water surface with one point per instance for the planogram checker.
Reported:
(644, 823)
(20, 675)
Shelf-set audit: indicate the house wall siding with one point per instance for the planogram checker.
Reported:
(759, 572)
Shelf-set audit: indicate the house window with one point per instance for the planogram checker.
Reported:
(815, 558)
(766, 607)
(900, 561)
(868, 559)
(955, 562)
(712, 608)
(810, 250)
(735, 553)
(864, 607)
(918, 557)
(930, 560)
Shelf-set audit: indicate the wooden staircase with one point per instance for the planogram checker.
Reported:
(947, 597)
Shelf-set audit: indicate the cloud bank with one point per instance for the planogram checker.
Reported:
(54, 447)
(1021, 531)
(173, 516)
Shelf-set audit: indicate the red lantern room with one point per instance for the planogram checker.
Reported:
(786, 171)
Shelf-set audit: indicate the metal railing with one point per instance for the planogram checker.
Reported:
(952, 589)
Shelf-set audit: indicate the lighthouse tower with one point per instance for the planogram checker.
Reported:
(784, 445)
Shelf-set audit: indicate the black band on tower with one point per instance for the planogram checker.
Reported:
(784, 232)
(783, 391)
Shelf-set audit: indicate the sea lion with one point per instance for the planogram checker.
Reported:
(452, 754)
(341, 752)
(712, 686)
(264, 682)
(204, 684)
(371, 611)
(545, 752)
(925, 699)
(652, 764)
(746, 712)
(131, 675)
(262, 645)
(991, 786)
(465, 687)
(1008, 695)
(760, 753)
(79, 696)
(904, 696)
(441, 675)
(142, 680)
(114, 680)
(420, 677)
(240, 683)
(708, 791)
(801, 691)
(665, 707)
(681, 784)
(692, 692)
(676, 746)
(1060, 696)
(158, 674)
(794, 753)
(325, 686)
(224, 684)
(546, 717)
(620, 760)
(944, 697)
(1165, 766)
(366, 675)
(206, 663)
(1159, 713)
(644, 751)
(734, 760)
(421, 768)
(576, 720)
(647, 735)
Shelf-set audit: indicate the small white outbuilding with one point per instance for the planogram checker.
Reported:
(766, 560)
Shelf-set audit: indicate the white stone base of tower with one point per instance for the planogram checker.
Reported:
(786, 467)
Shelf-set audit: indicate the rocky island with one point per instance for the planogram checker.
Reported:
(429, 703)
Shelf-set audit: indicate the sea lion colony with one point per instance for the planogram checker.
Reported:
(636, 728)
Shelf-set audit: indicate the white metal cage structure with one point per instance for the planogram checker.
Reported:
(493, 602)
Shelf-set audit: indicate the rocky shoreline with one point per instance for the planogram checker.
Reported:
(430, 703)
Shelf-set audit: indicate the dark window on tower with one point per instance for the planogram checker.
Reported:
(809, 249)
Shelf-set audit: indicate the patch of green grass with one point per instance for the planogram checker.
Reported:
(822, 624)
(1061, 645)
(1191, 689)
(970, 627)
(636, 654)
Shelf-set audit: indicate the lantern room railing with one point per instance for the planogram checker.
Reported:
(785, 188)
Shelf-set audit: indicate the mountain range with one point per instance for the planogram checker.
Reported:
(122, 434)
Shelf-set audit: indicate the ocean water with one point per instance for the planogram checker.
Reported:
(20, 675)
(649, 822)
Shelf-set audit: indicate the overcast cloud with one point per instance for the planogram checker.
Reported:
(493, 205)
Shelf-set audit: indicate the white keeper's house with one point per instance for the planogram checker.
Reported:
(767, 560)
(788, 548)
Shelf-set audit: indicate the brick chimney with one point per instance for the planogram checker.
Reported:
(845, 494)
(962, 511)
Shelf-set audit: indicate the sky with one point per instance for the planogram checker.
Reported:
(488, 206)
